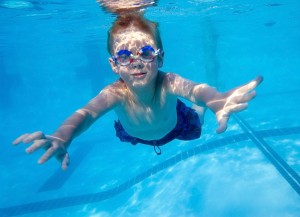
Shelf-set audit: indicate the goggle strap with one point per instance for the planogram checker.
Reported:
(114, 58)
(157, 52)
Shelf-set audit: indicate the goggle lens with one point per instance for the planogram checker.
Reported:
(147, 54)
(124, 57)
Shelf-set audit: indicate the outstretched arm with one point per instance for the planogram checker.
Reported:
(58, 143)
(222, 104)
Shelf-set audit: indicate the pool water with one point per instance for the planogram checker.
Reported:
(53, 59)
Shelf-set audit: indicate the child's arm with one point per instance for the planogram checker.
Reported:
(222, 104)
(57, 143)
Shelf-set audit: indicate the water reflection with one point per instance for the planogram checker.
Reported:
(124, 6)
(17, 4)
(29, 5)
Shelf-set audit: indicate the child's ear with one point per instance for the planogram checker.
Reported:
(161, 59)
(113, 65)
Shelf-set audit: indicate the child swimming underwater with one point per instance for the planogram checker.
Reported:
(145, 99)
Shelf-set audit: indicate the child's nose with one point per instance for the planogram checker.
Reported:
(137, 64)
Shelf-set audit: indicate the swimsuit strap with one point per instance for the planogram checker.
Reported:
(157, 149)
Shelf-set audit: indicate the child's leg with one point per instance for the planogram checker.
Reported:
(200, 111)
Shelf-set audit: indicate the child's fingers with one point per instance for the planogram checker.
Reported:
(259, 79)
(236, 108)
(47, 155)
(27, 138)
(65, 162)
(254, 83)
(223, 115)
(247, 97)
(37, 145)
(235, 100)
(249, 86)
(34, 136)
(20, 139)
(222, 118)
(222, 124)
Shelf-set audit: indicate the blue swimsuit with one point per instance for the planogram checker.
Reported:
(188, 127)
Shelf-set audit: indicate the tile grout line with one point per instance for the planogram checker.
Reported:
(283, 168)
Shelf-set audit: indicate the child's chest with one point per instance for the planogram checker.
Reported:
(156, 119)
(155, 113)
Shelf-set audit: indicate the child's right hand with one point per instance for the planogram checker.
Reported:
(235, 100)
(54, 146)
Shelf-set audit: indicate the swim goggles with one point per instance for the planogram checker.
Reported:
(146, 54)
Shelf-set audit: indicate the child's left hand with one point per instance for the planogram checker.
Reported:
(232, 101)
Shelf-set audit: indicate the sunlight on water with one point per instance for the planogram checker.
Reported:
(16, 4)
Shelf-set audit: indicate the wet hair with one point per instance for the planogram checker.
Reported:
(135, 20)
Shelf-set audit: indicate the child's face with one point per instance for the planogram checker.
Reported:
(138, 72)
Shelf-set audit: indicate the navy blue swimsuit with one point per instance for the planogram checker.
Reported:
(188, 127)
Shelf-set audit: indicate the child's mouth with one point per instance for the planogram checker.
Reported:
(138, 75)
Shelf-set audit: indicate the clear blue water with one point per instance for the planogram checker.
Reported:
(53, 59)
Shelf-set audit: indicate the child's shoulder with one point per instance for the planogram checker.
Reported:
(168, 75)
(167, 78)
(117, 86)
(117, 89)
